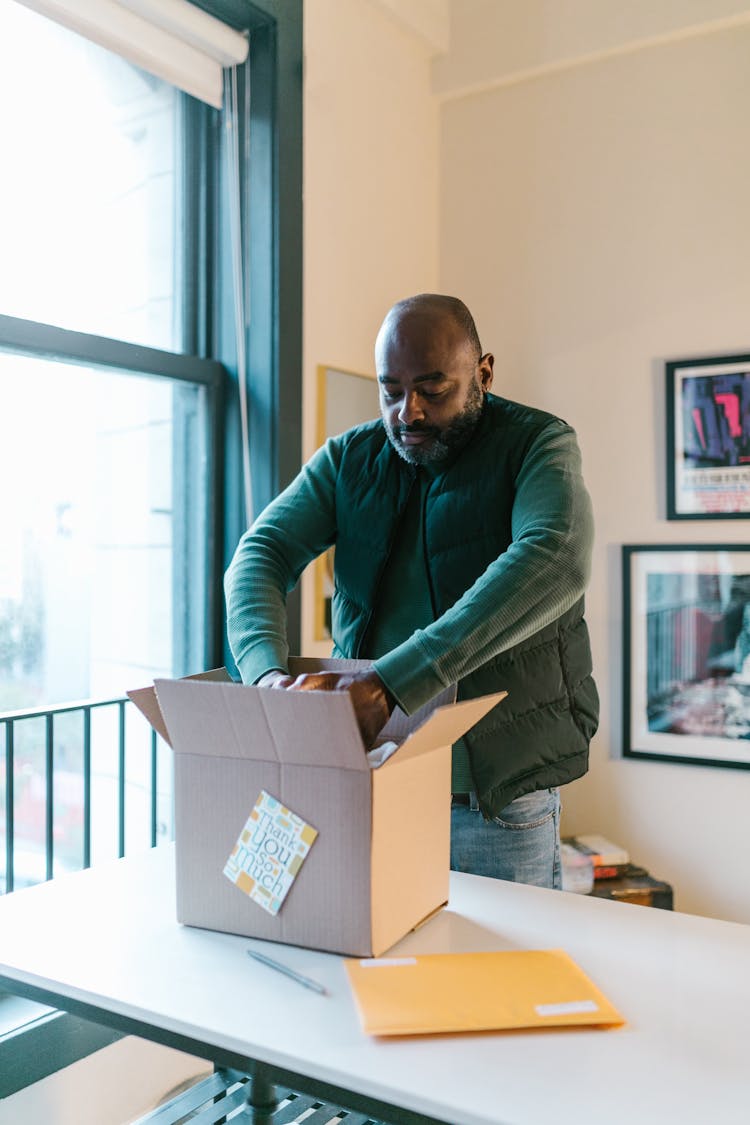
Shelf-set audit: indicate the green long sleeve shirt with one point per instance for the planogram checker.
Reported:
(541, 575)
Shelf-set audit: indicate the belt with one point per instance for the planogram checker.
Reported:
(460, 798)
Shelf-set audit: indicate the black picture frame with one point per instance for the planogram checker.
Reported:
(686, 653)
(708, 438)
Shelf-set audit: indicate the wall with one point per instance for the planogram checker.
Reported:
(495, 42)
(595, 217)
(371, 190)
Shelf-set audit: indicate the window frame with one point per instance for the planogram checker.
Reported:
(272, 196)
(31, 338)
(271, 191)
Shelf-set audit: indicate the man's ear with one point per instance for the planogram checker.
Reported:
(486, 370)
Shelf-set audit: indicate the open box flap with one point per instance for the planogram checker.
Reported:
(400, 726)
(208, 713)
(200, 721)
(147, 703)
(314, 728)
(309, 728)
(445, 726)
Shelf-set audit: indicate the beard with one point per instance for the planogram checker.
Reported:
(444, 442)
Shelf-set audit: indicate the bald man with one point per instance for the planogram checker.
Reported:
(463, 535)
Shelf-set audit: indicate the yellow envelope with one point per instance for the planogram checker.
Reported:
(448, 992)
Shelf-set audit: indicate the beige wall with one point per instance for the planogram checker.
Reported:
(591, 161)
(370, 190)
(492, 42)
(596, 219)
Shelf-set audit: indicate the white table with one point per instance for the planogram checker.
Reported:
(104, 943)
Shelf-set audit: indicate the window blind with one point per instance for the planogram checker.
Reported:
(172, 39)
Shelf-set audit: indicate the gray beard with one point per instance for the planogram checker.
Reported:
(445, 442)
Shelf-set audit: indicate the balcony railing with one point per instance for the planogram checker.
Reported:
(32, 759)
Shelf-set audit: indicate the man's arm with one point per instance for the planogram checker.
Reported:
(543, 573)
(293, 530)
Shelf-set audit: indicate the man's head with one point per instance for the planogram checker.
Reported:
(432, 377)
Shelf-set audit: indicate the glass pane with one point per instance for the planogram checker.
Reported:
(67, 791)
(30, 804)
(102, 549)
(104, 783)
(3, 793)
(87, 195)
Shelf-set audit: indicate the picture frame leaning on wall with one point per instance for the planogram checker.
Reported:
(686, 653)
(344, 399)
(708, 438)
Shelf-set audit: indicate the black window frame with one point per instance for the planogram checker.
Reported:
(45, 341)
(270, 132)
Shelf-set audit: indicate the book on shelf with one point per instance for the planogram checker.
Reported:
(608, 860)
(612, 870)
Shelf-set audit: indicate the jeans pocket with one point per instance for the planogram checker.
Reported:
(530, 811)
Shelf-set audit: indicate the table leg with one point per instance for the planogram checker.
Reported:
(262, 1100)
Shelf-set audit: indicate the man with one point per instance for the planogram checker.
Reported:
(463, 535)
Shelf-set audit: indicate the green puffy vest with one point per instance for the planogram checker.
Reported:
(539, 736)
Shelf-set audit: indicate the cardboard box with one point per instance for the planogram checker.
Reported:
(379, 866)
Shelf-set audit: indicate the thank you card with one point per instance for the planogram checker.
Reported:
(269, 852)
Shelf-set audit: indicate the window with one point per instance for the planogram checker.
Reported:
(119, 428)
(89, 215)
(104, 572)
(104, 576)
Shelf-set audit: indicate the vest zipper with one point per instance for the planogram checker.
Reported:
(428, 570)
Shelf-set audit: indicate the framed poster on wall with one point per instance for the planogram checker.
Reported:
(686, 653)
(345, 399)
(708, 438)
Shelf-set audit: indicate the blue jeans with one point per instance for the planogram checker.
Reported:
(521, 844)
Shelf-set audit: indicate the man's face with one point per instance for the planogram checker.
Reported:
(432, 386)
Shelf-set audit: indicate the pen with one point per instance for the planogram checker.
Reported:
(307, 982)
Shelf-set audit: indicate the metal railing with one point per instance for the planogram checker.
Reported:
(233, 1095)
(10, 724)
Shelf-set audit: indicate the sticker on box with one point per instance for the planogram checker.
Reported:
(270, 850)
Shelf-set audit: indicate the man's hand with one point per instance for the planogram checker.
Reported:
(373, 703)
(275, 679)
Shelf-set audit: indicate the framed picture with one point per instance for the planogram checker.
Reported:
(686, 653)
(345, 399)
(708, 438)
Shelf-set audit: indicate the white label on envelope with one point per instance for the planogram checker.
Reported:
(569, 1008)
